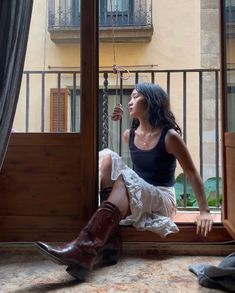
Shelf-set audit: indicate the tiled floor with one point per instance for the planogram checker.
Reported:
(134, 274)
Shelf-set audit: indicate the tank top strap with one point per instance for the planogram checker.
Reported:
(131, 137)
(163, 133)
(162, 138)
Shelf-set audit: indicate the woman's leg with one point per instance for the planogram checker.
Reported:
(81, 253)
(105, 172)
(119, 194)
(119, 197)
(113, 247)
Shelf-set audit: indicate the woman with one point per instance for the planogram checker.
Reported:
(143, 197)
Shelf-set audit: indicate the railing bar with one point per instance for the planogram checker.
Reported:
(74, 106)
(131, 71)
(54, 71)
(185, 107)
(217, 136)
(59, 16)
(167, 70)
(152, 77)
(185, 128)
(105, 14)
(27, 104)
(58, 100)
(120, 128)
(43, 103)
(136, 77)
(168, 84)
(51, 19)
(201, 123)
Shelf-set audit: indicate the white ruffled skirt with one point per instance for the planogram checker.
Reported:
(152, 207)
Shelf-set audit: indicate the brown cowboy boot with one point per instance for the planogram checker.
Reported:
(80, 254)
(112, 249)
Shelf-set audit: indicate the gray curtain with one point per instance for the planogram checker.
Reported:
(15, 16)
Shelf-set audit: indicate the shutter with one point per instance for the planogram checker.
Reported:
(58, 111)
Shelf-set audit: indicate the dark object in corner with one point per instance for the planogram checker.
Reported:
(221, 277)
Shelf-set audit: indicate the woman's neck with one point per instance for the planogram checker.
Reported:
(146, 135)
(146, 127)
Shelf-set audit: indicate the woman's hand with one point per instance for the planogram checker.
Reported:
(117, 113)
(204, 223)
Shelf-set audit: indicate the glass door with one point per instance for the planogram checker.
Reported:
(228, 110)
(229, 39)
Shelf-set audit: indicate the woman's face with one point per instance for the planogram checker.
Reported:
(137, 106)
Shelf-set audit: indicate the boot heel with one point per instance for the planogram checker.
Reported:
(77, 271)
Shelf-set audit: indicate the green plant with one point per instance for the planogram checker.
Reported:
(190, 199)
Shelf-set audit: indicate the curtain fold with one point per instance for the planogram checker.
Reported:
(15, 16)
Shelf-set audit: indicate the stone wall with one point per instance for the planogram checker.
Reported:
(210, 58)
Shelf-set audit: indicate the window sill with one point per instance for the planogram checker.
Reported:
(187, 231)
(190, 217)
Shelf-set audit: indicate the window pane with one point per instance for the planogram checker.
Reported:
(117, 5)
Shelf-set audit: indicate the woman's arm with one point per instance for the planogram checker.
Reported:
(176, 146)
(116, 116)
(117, 113)
(126, 134)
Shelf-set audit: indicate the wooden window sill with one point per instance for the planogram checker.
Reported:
(190, 217)
(187, 231)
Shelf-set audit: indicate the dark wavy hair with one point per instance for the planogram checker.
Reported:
(158, 103)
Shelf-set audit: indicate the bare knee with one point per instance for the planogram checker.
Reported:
(106, 163)
(119, 183)
(119, 196)
(105, 171)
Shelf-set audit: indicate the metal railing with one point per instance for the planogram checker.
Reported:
(194, 96)
(230, 14)
(122, 13)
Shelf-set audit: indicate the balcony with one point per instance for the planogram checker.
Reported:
(194, 95)
(129, 21)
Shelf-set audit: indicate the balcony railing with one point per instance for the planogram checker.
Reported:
(131, 20)
(121, 13)
(230, 14)
(49, 97)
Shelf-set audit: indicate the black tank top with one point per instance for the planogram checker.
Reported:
(155, 166)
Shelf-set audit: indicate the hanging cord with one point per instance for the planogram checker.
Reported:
(117, 71)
